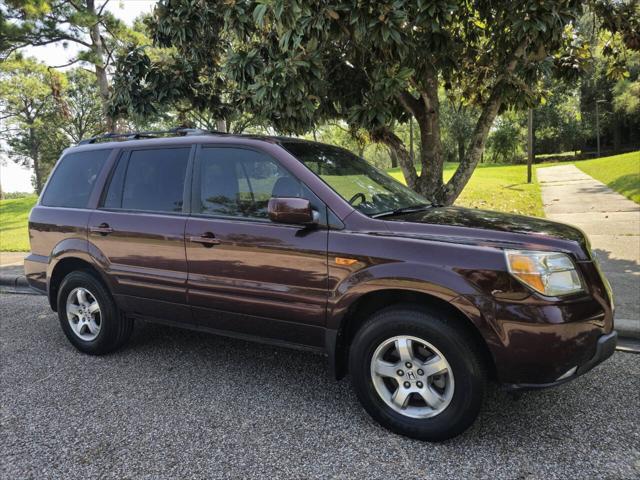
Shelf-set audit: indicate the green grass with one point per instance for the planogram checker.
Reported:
(619, 172)
(496, 187)
(14, 215)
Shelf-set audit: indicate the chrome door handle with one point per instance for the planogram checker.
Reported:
(207, 239)
(102, 229)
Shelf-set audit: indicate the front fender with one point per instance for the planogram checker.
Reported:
(439, 282)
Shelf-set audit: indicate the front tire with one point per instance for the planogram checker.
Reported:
(417, 373)
(88, 315)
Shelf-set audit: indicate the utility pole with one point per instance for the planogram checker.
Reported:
(530, 145)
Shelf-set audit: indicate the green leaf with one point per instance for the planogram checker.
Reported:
(258, 14)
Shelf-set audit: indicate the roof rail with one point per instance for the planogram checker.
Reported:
(149, 134)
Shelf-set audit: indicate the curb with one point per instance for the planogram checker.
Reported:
(627, 328)
(15, 284)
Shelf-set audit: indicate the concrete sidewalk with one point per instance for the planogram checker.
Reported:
(612, 223)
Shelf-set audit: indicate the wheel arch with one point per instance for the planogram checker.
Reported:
(62, 268)
(339, 342)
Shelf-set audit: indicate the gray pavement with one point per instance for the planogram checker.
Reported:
(178, 404)
(612, 223)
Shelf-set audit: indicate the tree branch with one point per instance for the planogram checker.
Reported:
(463, 173)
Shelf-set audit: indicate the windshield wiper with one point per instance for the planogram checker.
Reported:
(410, 209)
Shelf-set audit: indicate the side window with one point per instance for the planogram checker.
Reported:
(73, 180)
(151, 180)
(239, 182)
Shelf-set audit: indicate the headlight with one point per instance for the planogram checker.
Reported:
(550, 273)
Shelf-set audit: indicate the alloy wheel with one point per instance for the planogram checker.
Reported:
(83, 314)
(412, 377)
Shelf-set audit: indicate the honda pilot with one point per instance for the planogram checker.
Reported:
(305, 245)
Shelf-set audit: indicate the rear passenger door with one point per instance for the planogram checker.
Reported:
(247, 274)
(138, 230)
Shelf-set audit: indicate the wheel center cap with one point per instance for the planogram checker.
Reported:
(411, 376)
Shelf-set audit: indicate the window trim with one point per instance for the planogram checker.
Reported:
(197, 179)
(125, 155)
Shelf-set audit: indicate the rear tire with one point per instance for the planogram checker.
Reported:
(88, 315)
(402, 357)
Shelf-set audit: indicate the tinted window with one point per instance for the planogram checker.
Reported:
(239, 182)
(151, 180)
(74, 178)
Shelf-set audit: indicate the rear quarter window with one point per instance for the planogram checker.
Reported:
(74, 178)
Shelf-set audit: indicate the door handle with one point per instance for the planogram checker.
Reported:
(102, 229)
(207, 239)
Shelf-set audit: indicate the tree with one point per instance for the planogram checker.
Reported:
(29, 107)
(81, 109)
(299, 63)
(84, 23)
(372, 64)
(458, 120)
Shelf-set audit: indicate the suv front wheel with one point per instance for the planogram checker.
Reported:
(417, 374)
(88, 315)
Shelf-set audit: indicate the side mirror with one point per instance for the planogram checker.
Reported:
(294, 211)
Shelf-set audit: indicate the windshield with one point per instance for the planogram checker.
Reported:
(358, 182)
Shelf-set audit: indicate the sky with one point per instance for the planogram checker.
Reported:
(15, 178)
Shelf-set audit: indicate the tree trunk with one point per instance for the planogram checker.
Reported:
(394, 157)
(448, 194)
(35, 158)
(97, 48)
(393, 142)
(454, 187)
(460, 149)
(221, 125)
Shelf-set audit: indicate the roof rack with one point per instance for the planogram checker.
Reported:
(149, 134)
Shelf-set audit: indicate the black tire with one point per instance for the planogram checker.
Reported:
(115, 328)
(459, 349)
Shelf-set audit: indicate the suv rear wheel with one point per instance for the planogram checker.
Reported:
(88, 315)
(417, 374)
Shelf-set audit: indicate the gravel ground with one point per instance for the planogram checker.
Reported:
(177, 404)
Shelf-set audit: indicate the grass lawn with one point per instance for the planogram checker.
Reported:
(14, 214)
(620, 172)
(496, 187)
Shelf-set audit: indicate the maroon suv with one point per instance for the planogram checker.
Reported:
(305, 245)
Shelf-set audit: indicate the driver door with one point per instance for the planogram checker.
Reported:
(247, 275)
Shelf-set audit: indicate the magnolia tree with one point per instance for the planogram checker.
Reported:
(297, 63)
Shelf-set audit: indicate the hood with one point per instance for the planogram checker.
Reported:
(490, 225)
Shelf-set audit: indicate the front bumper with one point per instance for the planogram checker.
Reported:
(605, 347)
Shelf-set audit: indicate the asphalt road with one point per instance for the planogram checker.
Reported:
(177, 404)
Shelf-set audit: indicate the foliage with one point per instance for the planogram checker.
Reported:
(96, 31)
(29, 104)
(81, 115)
(297, 64)
(458, 120)
(506, 139)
